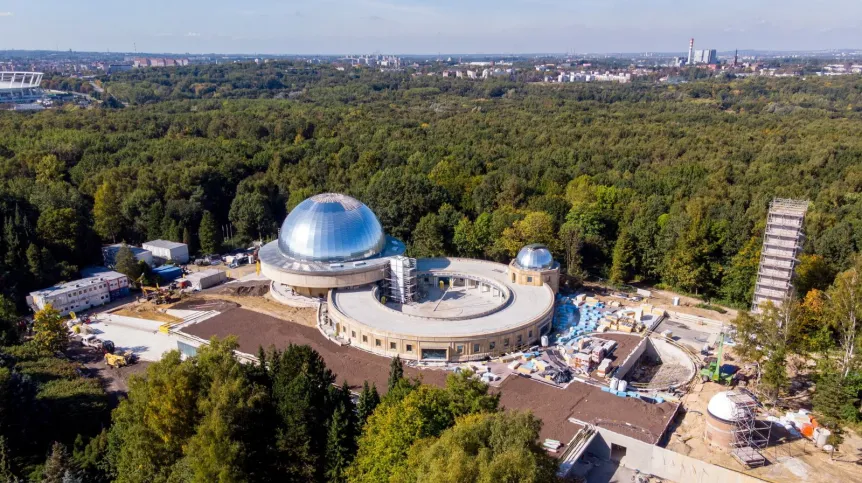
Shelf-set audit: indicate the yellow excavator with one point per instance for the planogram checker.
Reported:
(119, 360)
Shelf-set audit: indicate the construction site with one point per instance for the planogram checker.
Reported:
(622, 382)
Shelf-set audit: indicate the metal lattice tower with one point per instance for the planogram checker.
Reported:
(400, 281)
(782, 244)
(749, 434)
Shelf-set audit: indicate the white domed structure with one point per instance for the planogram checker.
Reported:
(328, 241)
(535, 265)
(721, 407)
(331, 227)
(535, 257)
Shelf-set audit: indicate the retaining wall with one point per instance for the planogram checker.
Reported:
(661, 462)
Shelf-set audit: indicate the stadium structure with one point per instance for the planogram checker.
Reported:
(332, 247)
(20, 87)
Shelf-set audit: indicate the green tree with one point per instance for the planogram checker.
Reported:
(623, 259)
(8, 318)
(152, 426)
(91, 458)
(499, 447)
(812, 272)
(60, 229)
(835, 399)
(209, 234)
(369, 399)
(251, 214)
(536, 227)
(216, 452)
(396, 372)
(341, 435)
(58, 465)
(49, 329)
(126, 263)
(6, 473)
(766, 338)
(845, 309)
(428, 237)
(737, 286)
(107, 211)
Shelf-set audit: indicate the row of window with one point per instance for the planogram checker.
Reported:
(459, 348)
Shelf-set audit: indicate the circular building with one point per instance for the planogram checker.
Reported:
(432, 309)
(720, 420)
(329, 240)
(464, 309)
(535, 265)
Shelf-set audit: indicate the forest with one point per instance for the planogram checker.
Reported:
(642, 183)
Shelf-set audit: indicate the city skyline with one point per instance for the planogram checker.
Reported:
(420, 27)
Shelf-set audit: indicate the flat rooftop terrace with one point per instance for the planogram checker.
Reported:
(631, 417)
(428, 319)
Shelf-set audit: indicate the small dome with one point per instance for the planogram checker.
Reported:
(331, 227)
(535, 257)
(721, 407)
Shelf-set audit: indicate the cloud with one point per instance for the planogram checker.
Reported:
(6, 14)
(193, 34)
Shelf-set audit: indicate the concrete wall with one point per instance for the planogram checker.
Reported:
(536, 278)
(410, 347)
(631, 360)
(324, 281)
(662, 462)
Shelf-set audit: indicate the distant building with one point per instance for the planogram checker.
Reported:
(709, 56)
(471, 74)
(164, 250)
(109, 254)
(81, 294)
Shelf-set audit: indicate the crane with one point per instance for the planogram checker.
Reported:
(712, 371)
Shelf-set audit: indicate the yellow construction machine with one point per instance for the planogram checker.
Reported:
(119, 360)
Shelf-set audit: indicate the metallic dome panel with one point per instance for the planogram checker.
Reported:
(331, 227)
(535, 257)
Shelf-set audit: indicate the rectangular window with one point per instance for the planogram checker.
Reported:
(530, 335)
(459, 349)
(491, 345)
(409, 348)
(519, 338)
(377, 342)
(529, 279)
(506, 342)
(475, 348)
(365, 338)
(392, 346)
(353, 334)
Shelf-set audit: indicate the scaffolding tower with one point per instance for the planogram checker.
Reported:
(400, 281)
(782, 244)
(749, 434)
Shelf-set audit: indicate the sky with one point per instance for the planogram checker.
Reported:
(428, 26)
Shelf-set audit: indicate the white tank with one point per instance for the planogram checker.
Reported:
(545, 341)
(676, 301)
(614, 383)
(622, 385)
(821, 435)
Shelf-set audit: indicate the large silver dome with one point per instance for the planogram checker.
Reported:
(535, 257)
(331, 227)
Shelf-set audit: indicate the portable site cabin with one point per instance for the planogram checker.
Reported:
(168, 251)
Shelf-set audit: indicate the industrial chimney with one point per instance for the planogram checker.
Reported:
(691, 51)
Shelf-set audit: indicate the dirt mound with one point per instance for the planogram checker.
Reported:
(254, 289)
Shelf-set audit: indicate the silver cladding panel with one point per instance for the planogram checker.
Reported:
(331, 227)
(535, 257)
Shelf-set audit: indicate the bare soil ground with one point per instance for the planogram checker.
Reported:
(143, 311)
(115, 381)
(790, 460)
(660, 299)
(553, 405)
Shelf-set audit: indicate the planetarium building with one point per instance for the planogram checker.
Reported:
(333, 248)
